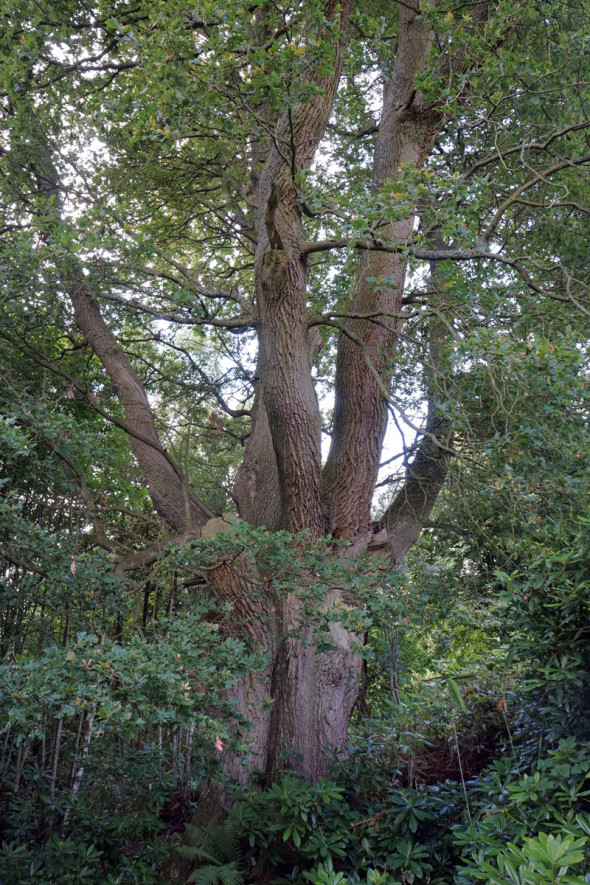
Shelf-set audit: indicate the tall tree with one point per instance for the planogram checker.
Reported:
(267, 178)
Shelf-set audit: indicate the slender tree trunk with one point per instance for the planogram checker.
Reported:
(286, 386)
(164, 481)
(257, 488)
(425, 475)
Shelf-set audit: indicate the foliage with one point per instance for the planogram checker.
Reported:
(364, 826)
(215, 850)
(98, 736)
(357, 831)
(133, 139)
(544, 812)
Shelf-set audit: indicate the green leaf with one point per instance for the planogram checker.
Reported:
(456, 695)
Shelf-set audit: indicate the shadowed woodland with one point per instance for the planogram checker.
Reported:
(294, 402)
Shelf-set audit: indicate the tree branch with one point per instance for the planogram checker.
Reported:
(91, 399)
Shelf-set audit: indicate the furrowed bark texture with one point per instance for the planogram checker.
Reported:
(406, 133)
(172, 499)
(314, 693)
(300, 703)
(252, 618)
(257, 488)
(286, 385)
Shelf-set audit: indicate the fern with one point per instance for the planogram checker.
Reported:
(228, 874)
(215, 850)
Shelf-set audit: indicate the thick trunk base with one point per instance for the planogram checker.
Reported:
(298, 708)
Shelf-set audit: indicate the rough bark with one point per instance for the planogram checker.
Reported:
(257, 488)
(252, 618)
(299, 704)
(172, 498)
(286, 385)
(406, 133)
(313, 692)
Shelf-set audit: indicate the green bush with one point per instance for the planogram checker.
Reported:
(513, 808)
(360, 826)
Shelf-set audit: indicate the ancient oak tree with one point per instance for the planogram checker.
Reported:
(254, 231)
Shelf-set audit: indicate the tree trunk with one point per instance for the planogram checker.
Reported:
(313, 692)
(406, 134)
(172, 498)
(299, 704)
(286, 391)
